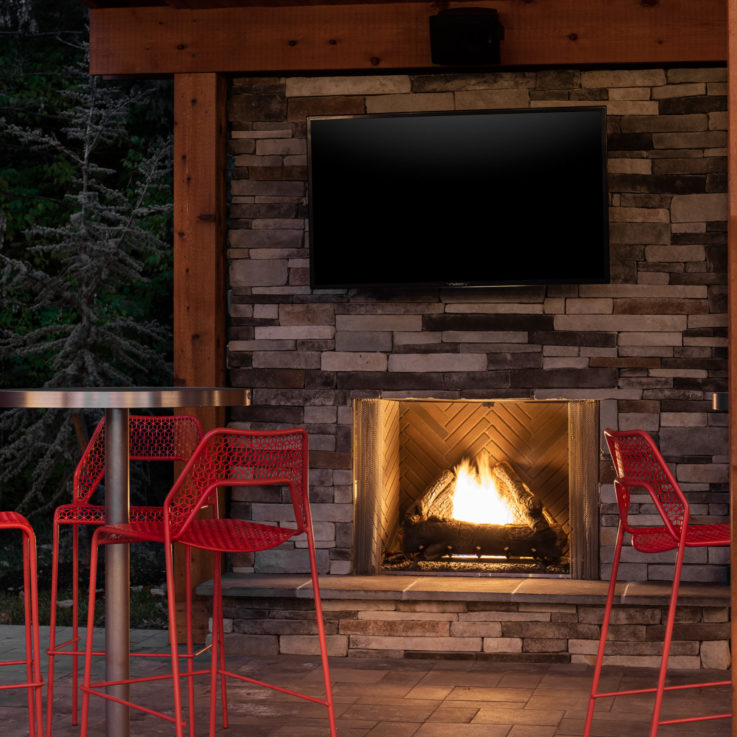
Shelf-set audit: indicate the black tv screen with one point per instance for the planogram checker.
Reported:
(479, 198)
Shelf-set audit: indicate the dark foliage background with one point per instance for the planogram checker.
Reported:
(85, 257)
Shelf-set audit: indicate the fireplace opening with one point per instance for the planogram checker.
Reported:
(497, 487)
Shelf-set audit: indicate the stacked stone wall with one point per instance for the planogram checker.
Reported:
(514, 631)
(651, 345)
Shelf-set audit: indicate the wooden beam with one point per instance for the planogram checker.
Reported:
(199, 234)
(391, 36)
(732, 308)
(199, 270)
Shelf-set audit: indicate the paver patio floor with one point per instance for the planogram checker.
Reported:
(390, 698)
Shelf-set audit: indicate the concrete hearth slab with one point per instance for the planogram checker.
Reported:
(654, 593)
(463, 588)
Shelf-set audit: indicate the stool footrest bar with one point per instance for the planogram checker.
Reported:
(298, 694)
(707, 717)
(34, 684)
(680, 687)
(130, 704)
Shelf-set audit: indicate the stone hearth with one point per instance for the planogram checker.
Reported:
(502, 619)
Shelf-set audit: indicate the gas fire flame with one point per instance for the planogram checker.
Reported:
(476, 498)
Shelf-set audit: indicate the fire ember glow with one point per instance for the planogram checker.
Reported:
(481, 509)
(476, 498)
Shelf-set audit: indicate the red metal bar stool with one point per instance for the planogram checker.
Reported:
(638, 464)
(33, 682)
(168, 438)
(224, 458)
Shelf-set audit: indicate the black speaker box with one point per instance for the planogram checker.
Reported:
(462, 36)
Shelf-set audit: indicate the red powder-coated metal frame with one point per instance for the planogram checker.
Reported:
(224, 458)
(167, 438)
(638, 464)
(32, 661)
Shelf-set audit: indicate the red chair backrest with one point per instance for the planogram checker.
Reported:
(170, 438)
(228, 457)
(639, 463)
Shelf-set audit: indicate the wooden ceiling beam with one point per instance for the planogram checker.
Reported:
(390, 36)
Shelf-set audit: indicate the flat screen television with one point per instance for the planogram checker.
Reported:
(450, 199)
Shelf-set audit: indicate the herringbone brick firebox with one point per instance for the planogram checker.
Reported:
(402, 447)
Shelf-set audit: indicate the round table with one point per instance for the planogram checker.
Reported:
(117, 403)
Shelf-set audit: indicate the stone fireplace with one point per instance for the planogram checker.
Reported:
(647, 350)
(402, 447)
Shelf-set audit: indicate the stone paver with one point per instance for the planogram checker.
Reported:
(383, 698)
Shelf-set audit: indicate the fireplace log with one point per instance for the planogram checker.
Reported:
(518, 495)
(433, 538)
(438, 499)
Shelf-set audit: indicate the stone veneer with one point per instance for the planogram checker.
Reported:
(503, 619)
(651, 345)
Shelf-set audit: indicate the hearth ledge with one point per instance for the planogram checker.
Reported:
(454, 588)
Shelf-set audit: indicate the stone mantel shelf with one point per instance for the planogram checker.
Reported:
(465, 588)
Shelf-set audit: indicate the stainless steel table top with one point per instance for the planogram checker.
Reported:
(124, 397)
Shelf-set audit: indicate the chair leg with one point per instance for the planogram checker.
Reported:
(52, 627)
(33, 654)
(321, 633)
(173, 644)
(190, 648)
(28, 628)
(604, 631)
(667, 640)
(75, 623)
(215, 654)
(223, 677)
(75, 639)
(33, 575)
(87, 678)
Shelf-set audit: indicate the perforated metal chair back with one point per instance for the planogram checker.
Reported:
(228, 457)
(170, 438)
(639, 463)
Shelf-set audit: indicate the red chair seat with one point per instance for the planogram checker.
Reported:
(13, 521)
(231, 536)
(146, 530)
(225, 535)
(657, 540)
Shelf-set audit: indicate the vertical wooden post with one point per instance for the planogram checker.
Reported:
(732, 283)
(199, 233)
(199, 264)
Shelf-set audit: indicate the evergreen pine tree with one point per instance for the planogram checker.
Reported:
(75, 287)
